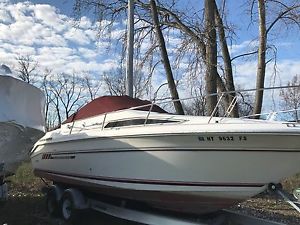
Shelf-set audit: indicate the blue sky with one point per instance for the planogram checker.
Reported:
(44, 30)
(287, 41)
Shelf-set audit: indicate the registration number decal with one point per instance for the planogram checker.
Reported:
(222, 138)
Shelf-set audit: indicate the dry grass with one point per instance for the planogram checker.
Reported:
(24, 182)
(291, 183)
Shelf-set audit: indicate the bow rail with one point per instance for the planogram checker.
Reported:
(227, 113)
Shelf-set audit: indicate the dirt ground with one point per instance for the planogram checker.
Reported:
(26, 205)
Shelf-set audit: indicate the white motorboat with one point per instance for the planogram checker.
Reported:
(21, 122)
(179, 163)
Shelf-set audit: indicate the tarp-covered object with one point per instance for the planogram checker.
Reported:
(21, 122)
(107, 104)
(21, 103)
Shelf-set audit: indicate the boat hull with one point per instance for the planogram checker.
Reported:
(197, 202)
(193, 173)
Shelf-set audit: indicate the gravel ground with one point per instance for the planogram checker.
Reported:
(271, 208)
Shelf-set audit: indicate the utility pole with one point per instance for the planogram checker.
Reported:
(130, 40)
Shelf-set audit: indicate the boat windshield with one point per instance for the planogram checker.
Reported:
(131, 122)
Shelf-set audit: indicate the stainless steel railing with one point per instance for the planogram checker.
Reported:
(222, 95)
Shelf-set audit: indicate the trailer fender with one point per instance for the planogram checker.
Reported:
(80, 202)
(57, 191)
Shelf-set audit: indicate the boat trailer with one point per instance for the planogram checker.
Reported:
(70, 202)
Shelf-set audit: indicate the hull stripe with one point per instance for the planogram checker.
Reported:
(52, 175)
(91, 151)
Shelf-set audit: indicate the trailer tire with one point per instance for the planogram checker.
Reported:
(52, 205)
(68, 210)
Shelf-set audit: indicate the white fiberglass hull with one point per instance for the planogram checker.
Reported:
(21, 122)
(189, 172)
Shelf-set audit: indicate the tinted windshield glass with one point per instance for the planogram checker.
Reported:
(123, 123)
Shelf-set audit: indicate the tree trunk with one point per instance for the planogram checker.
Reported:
(165, 59)
(261, 66)
(198, 40)
(58, 112)
(227, 62)
(211, 55)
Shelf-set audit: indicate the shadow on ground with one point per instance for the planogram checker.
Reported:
(31, 210)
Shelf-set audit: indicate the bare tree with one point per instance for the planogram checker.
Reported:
(141, 84)
(291, 97)
(114, 83)
(114, 80)
(197, 105)
(67, 91)
(49, 98)
(229, 82)
(110, 10)
(246, 102)
(191, 31)
(279, 12)
(56, 104)
(165, 59)
(92, 85)
(211, 55)
(26, 68)
(261, 62)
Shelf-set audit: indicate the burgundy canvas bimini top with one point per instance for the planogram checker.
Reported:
(107, 104)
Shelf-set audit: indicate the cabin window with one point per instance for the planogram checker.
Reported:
(123, 123)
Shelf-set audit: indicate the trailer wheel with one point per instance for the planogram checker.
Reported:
(52, 204)
(68, 210)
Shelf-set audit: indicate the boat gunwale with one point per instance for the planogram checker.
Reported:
(50, 140)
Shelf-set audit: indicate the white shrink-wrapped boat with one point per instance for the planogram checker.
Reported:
(21, 121)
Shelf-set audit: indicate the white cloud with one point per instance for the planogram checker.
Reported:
(25, 50)
(5, 16)
(91, 66)
(59, 52)
(287, 69)
(242, 47)
(9, 57)
(47, 37)
(49, 16)
(104, 45)
(117, 34)
(87, 53)
(92, 34)
(54, 40)
(77, 35)
(85, 23)
(245, 73)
